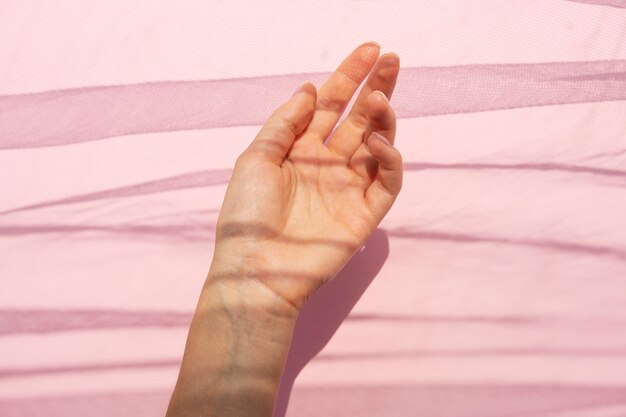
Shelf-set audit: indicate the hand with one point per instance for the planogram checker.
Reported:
(297, 209)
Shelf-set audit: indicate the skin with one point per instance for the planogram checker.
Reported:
(299, 205)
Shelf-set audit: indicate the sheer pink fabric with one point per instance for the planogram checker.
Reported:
(496, 286)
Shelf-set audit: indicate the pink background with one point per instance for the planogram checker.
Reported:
(496, 286)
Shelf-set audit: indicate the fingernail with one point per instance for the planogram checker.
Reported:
(390, 58)
(300, 89)
(371, 44)
(380, 138)
(382, 95)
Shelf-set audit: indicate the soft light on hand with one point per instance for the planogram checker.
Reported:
(297, 208)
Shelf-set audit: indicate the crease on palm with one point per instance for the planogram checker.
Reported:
(326, 180)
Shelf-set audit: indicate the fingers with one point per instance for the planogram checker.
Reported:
(383, 191)
(335, 94)
(358, 124)
(382, 119)
(281, 129)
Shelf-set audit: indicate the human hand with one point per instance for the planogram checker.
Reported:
(297, 209)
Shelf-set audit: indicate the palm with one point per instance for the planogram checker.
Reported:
(329, 198)
(296, 208)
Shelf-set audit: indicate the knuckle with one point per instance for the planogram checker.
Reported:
(386, 116)
(244, 159)
(290, 126)
(330, 103)
(358, 119)
(399, 158)
(388, 74)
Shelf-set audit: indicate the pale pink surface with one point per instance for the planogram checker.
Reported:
(496, 285)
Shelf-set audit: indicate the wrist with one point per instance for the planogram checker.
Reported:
(244, 287)
(236, 350)
(250, 304)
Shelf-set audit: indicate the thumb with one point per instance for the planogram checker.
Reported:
(281, 129)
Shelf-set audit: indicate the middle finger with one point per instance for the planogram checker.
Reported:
(350, 133)
(335, 94)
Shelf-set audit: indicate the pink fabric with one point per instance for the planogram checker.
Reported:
(496, 285)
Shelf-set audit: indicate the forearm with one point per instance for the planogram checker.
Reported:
(236, 349)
